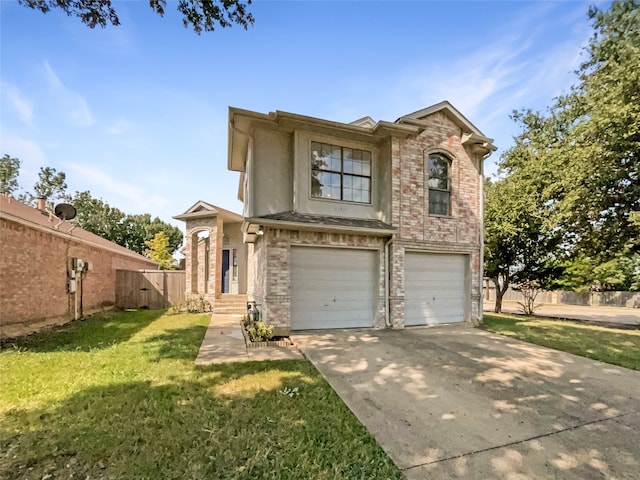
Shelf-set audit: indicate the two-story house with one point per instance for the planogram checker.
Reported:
(367, 224)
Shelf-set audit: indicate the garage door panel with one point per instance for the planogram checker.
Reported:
(332, 287)
(434, 288)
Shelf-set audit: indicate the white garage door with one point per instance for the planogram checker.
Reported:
(332, 287)
(434, 288)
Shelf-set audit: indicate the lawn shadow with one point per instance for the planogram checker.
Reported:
(178, 344)
(92, 333)
(617, 346)
(193, 429)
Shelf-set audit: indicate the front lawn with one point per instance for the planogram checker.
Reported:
(119, 397)
(611, 345)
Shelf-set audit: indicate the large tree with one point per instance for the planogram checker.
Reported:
(51, 185)
(583, 155)
(98, 217)
(201, 15)
(520, 246)
(9, 171)
(602, 147)
(130, 231)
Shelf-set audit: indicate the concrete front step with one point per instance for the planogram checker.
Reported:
(229, 311)
(230, 304)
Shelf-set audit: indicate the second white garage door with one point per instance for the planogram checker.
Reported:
(434, 287)
(333, 287)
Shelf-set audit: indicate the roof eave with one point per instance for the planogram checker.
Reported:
(239, 137)
(479, 143)
(68, 234)
(288, 225)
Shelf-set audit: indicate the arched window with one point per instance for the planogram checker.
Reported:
(439, 185)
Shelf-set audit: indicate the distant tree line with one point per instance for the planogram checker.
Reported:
(565, 209)
(138, 232)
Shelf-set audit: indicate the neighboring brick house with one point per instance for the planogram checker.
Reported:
(368, 224)
(39, 256)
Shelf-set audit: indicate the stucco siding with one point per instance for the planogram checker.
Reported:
(272, 172)
(377, 209)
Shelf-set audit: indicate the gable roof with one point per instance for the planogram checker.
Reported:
(367, 122)
(16, 211)
(470, 133)
(446, 108)
(202, 209)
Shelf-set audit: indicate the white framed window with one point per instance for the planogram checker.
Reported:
(439, 182)
(340, 173)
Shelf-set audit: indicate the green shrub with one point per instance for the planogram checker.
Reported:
(197, 304)
(260, 332)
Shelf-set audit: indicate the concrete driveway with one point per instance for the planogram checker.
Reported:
(458, 402)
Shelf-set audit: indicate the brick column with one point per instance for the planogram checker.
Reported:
(190, 261)
(200, 246)
(215, 259)
(196, 256)
(396, 294)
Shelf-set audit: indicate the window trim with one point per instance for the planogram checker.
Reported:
(448, 158)
(342, 147)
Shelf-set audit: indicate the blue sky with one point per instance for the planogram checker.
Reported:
(137, 114)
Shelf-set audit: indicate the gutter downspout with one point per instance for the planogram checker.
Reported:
(481, 300)
(387, 265)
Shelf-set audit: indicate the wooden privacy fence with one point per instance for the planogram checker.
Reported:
(151, 289)
(560, 297)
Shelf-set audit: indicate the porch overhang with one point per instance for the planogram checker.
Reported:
(253, 227)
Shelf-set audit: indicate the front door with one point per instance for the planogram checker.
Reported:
(225, 271)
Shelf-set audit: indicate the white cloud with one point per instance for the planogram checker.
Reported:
(30, 154)
(52, 77)
(72, 103)
(129, 197)
(80, 114)
(120, 127)
(519, 67)
(161, 179)
(18, 102)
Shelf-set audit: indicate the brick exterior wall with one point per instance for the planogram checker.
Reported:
(258, 274)
(459, 233)
(272, 285)
(416, 230)
(34, 274)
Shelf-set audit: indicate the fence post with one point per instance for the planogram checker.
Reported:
(165, 294)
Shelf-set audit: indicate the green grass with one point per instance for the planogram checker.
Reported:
(119, 397)
(611, 345)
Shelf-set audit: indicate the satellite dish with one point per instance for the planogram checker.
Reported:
(65, 211)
